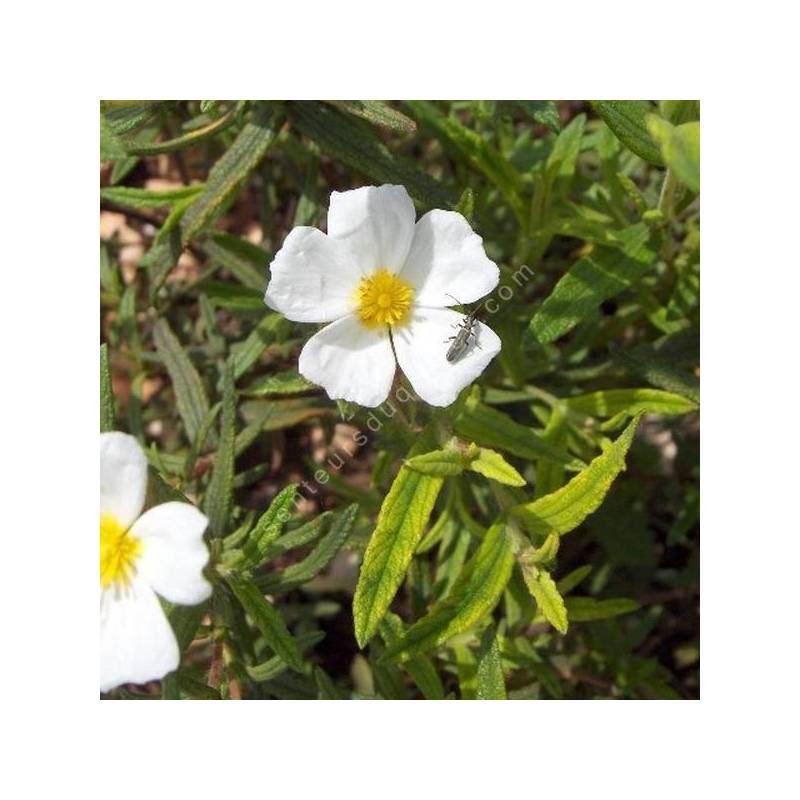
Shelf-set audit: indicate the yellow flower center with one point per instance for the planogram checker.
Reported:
(383, 299)
(118, 552)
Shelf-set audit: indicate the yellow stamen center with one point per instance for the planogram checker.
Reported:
(383, 299)
(118, 552)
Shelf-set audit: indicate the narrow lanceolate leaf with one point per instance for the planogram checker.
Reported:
(616, 402)
(377, 113)
(680, 146)
(245, 354)
(282, 383)
(472, 597)
(490, 682)
(450, 461)
(545, 112)
(245, 261)
(476, 150)
(219, 497)
(357, 146)
(267, 619)
(485, 425)
(627, 119)
(420, 668)
(319, 558)
(106, 392)
(275, 666)
(587, 609)
(148, 198)
(188, 139)
(267, 529)
(300, 536)
(227, 175)
(190, 394)
(598, 276)
(126, 116)
(492, 465)
(401, 523)
(566, 508)
(563, 157)
(650, 364)
(548, 599)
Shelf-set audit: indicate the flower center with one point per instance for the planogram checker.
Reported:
(118, 552)
(383, 299)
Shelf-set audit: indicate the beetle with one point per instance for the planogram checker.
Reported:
(463, 337)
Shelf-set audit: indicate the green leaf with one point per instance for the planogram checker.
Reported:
(282, 383)
(492, 465)
(442, 463)
(679, 111)
(267, 619)
(654, 365)
(565, 509)
(188, 139)
(545, 112)
(680, 147)
(401, 523)
(163, 254)
(245, 354)
(563, 157)
(358, 147)
(275, 666)
(420, 668)
(190, 394)
(570, 581)
(125, 117)
(106, 392)
(148, 198)
(227, 175)
(545, 592)
(587, 609)
(238, 299)
(490, 682)
(267, 529)
(626, 118)
(598, 276)
(476, 150)
(245, 261)
(327, 689)
(219, 497)
(480, 423)
(300, 536)
(319, 558)
(473, 596)
(466, 204)
(619, 403)
(377, 113)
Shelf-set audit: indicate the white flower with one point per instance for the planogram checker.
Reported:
(160, 551)
(377, 270)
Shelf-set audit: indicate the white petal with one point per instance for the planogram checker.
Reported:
(312, 277)
(136, 641)
(123, 477)
(421, 350)
(447, 261)
(350, 362)
(173, 552)
(377, 222)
